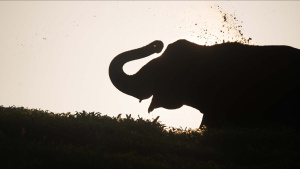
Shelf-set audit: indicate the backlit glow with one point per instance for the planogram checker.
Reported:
(54, 55)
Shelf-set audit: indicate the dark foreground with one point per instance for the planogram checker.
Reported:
(40, 139)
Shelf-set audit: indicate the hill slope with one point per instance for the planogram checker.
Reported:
(31, 138)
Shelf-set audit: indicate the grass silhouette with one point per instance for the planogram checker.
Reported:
(31, 138)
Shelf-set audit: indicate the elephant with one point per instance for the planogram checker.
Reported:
(232, 84)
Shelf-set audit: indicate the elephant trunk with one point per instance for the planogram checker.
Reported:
(129, 84)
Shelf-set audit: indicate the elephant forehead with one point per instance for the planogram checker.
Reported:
(176, 51)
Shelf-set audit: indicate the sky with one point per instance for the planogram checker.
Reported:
(54, 55)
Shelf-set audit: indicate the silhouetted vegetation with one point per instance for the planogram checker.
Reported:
(31, 138)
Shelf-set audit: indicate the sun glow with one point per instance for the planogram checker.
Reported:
(58, 61)
(186, 114)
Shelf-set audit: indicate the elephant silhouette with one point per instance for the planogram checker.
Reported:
(231, 83)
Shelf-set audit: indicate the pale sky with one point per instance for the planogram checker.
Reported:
(55, 55)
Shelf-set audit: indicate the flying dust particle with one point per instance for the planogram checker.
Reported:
(227, 29)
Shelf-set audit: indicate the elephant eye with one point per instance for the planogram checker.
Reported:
(154, 45)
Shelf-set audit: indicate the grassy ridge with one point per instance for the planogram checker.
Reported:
(31, 138)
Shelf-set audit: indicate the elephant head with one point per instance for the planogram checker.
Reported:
(156, 78)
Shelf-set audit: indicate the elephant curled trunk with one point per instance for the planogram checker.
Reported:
(129, 84)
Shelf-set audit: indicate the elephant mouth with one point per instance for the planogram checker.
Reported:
(165, 102)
